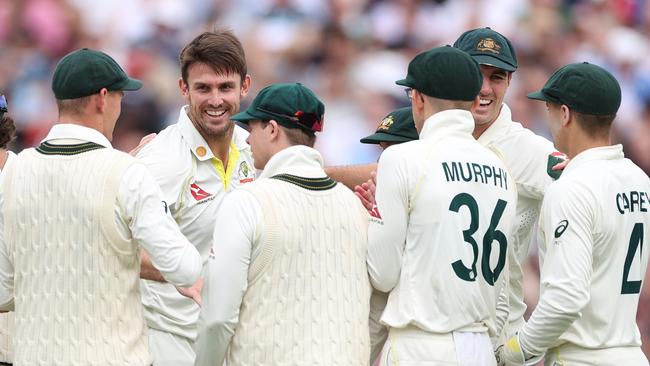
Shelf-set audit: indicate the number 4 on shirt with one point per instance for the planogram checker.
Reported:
(636, 241)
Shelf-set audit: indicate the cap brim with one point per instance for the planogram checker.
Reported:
(406, 82)
(383, 137)
(538, 95)
(492, 61)
(244, 117)
(132, 84)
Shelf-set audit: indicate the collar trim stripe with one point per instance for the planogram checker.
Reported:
(312, 184)
(46, 148)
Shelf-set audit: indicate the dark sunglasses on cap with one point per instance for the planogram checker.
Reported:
(308, 120)
(3, 106)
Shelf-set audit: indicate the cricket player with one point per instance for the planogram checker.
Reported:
(197, 161)
(7, 133)
(397, 127)
(529, 157)
(594, 220)
(288, 283)
(439, 240)
(74, 213)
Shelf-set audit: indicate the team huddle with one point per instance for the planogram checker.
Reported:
(224, 240)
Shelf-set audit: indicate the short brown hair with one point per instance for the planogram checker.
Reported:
(296, 136)
(7, 131)
(594, 125)
(299, 136)
(220, 49)
(72, 106)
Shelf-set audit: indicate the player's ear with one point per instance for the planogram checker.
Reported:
(245, 86)
(274, 130)
(565, 115)
(183, 86)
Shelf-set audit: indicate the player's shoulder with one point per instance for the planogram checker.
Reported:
(523, 140)
(240, 135)
(167, 142)
(575, 184)
(168, 149)
(405, 151)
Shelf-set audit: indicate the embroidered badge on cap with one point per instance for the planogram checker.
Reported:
(488, 44)
(386, 123)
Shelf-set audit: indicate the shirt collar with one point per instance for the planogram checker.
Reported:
(447, 122)
(612, 152)
(297, 160)
(502, 123)
(69, 131)
(197, 143)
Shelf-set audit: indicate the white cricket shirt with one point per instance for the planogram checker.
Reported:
(447, 206)
(194, 183)
(594, 223)
(526, 155)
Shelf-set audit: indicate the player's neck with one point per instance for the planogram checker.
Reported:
(220, 145)
(480, 129)
(89, 120)
(583, 143)
(4, 156)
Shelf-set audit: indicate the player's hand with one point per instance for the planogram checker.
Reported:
(561, 165)
(498, 354)
(144, 141)
(513, 354)
(193, 292)
(366, 192)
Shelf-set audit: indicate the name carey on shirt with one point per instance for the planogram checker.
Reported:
(457, 171)
(632, 201)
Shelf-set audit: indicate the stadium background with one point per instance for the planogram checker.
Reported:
(349, 51)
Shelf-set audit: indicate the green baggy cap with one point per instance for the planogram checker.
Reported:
(583, 87)
(397, 126)
(291, 105)
(444, 73)
(85, 72)
(488, 47)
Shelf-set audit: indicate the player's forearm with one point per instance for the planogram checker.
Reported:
(147, 269)
(502, 309)
(351, 175)
(554, 314)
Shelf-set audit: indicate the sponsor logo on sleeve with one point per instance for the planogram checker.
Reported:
(561, 228)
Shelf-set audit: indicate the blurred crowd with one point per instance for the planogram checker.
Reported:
(349, 51)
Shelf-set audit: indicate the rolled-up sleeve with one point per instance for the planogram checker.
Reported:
(236, 233)
(387, 228)
(152, 226)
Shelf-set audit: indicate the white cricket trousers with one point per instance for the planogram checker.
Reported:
(168, 349)
(572, 355)
(412, 346)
